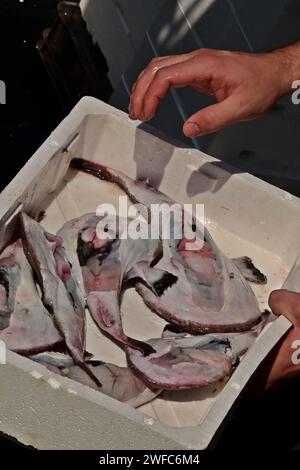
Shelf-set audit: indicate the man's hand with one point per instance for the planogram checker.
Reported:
(281, 364)
(244, 85)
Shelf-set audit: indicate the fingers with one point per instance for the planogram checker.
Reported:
(152, 78)
(283, 302)
(214, 117)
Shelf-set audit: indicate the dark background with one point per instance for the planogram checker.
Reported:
(33, 109)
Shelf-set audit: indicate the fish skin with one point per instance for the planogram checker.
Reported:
(105, 269)
(39, 252)
(214, 296)
(240, 342)
(69, 236)
(31, 327)
(119, 383)
(249, 270)
(10, 279)
(64, 271)
(183, 363)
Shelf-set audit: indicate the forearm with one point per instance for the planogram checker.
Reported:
(288, 60)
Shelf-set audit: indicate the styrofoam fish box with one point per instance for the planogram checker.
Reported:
(244, 215)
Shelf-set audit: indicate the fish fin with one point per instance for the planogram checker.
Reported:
(157, 280)
(88, 356)
(249, 271)
(171, 330)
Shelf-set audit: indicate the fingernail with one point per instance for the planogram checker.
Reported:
(132, 115)
(192, 129)
(146, 118)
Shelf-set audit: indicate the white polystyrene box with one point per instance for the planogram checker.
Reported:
(245, 216)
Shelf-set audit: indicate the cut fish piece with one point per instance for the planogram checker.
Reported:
(210, 294)
(39, 248)
(172, 363)
(239, 342)
(183, 363)
(117, 382)
(31, 327)
(10, 279)
(106, 264)
(69, 235)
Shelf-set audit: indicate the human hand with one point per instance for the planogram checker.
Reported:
(284, 360)
(244, 85)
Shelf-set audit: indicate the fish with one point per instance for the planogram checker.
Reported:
(9, 281)
(69, 236)
(240, 342)
(31, 328)
(183, 363)
(68, 317)
(107, 263)
(208, 293)
(180, 363)
(119, 383)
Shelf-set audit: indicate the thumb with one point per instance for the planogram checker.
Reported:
(213, 118)
(283, 302)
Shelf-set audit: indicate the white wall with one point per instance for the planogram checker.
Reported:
(131, 32)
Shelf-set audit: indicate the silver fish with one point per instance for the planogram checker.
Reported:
(209, 293)
(31, 327)
(119, 383)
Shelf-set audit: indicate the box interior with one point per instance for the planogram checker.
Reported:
(244, 216)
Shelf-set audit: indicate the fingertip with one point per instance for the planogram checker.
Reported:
(191, 129)
(275, 297)
(284, 302)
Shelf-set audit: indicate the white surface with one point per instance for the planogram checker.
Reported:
(245, 216)
(132, 32)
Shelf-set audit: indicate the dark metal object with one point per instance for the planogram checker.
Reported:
(75, 64)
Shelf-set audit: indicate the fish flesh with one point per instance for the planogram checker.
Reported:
(180, 363)
(183, 363)
(208, 294)
(119, 383)
(9, 279)
(239, 342)
(31, 328)
(68, 317)
(69, 234)
(106, 264)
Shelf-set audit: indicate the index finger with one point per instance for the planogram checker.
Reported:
(178, 75)
(145, 78)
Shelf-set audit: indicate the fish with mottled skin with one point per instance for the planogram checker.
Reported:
(209, 293)
(68, 317)
(106, 264)
(119, 383)
(31, 327)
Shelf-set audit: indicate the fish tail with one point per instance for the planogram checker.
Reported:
(95, 169)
